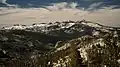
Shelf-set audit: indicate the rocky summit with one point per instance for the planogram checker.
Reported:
(60, 44)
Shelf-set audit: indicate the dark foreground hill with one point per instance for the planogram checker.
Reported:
(60, 44)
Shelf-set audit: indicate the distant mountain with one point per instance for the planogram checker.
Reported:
(60, 44)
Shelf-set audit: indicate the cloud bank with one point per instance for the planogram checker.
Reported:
(60, 11)
(62, 5)
(3, 1)
(7, 4)
(72, 3)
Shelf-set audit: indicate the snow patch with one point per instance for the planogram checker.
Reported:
(61, 62)
(16, 27)
(66, 25)
(83, 54)
(63, 47)
(115, 34)
(118, 61)
(91, 24)
(100, 42)
(95, 33)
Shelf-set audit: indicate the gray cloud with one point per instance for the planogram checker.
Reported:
(80, 3)
(62, 5)
(7, 4)
(3, 1)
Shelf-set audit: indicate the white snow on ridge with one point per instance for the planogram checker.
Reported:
(66, 25)
(63, 47)
(91, 24)
(16, 27)
(41, 25)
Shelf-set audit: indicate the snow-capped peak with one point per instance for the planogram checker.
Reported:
(14, 27)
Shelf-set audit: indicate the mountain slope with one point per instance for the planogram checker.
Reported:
(66, 44)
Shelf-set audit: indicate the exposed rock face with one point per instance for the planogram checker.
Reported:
(60, 44)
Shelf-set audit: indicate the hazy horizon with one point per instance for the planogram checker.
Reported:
(29, 11)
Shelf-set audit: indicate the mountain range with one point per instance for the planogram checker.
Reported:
(60, 44)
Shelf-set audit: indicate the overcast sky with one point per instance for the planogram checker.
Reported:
(105, 12)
